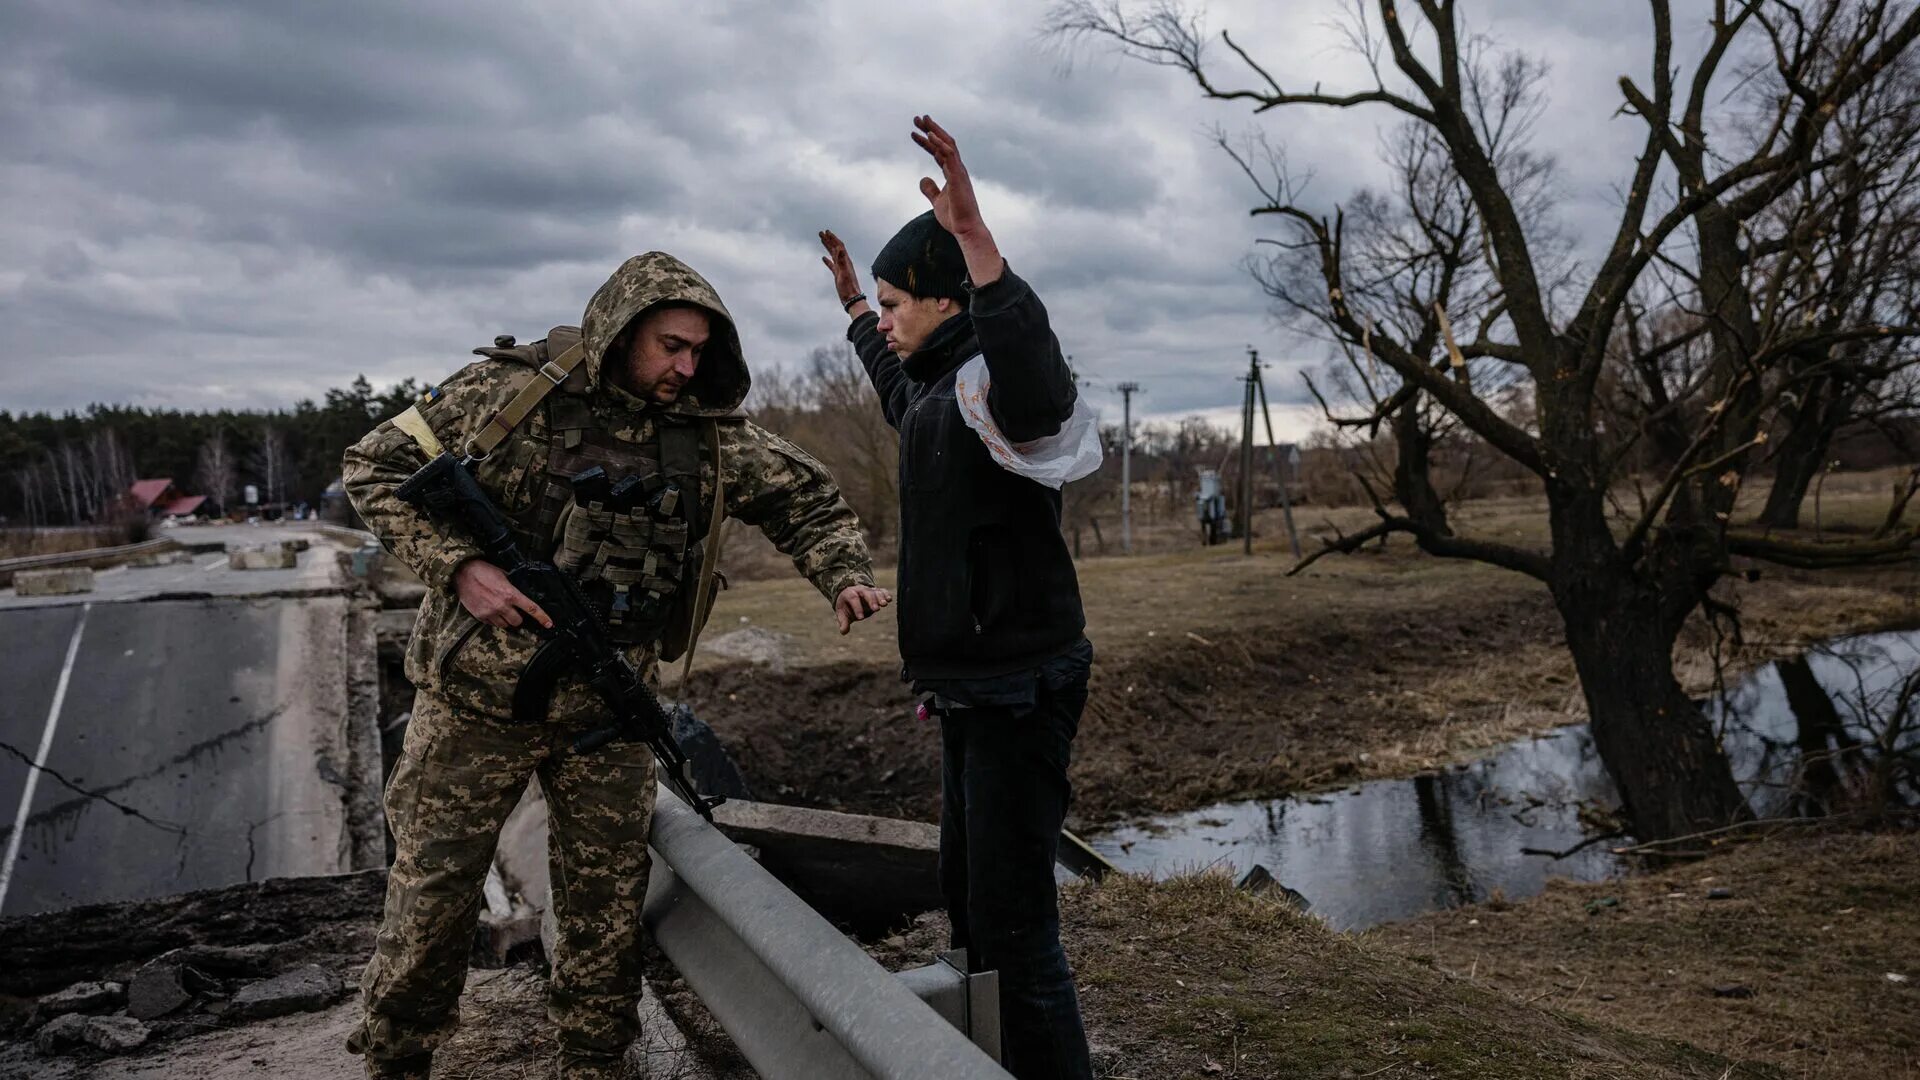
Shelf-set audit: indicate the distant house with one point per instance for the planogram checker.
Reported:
(161, 498)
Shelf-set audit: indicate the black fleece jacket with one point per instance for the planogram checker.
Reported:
(986, 584)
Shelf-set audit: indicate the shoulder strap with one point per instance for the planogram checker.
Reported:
(710, 556)
(543, 382)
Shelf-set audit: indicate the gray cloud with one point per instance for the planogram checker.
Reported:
(233, 203)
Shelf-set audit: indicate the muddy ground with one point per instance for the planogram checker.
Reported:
(1188, 978)
(1811, 962)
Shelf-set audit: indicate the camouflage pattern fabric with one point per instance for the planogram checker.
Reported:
(465, 764)
(770, 483)
(459, 775)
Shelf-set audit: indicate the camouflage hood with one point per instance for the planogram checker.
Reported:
(721, 383)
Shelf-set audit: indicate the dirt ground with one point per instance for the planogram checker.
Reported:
(1190, 978)
(1217, 676)
(1809, 964)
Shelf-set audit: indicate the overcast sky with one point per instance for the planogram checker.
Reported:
(213, 204)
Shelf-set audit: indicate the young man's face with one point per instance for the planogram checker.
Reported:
(908, 320)
(665, 352)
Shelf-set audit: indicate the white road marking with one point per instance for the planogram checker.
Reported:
(40, 757)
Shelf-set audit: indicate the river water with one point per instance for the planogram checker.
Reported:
(1390, 849)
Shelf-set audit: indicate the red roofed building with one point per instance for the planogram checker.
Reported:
(147, 493)
(160, 498)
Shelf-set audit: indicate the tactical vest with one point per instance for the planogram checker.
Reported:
(636, 558)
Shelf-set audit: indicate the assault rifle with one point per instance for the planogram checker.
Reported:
(577, 642)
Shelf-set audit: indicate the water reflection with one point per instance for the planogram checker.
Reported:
(1394, 848)
(1833, 727)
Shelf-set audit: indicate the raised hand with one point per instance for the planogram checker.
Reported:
(846, 280)
(954, 205)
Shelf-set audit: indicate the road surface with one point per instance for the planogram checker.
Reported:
(217, 721)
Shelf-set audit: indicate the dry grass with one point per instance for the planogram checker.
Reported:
(15, 543)
(1191, 978)
(1813, 926)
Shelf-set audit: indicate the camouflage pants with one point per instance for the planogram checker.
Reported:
(459, 775)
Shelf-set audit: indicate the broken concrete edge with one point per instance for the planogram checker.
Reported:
(365, 815)
(50, 950)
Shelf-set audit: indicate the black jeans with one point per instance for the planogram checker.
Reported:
(1004, 796)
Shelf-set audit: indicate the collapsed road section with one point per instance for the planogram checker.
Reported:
(187, 725)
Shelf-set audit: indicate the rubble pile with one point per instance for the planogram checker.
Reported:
(114, 978)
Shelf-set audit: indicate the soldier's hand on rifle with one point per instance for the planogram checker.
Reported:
(488, 596)
(857, 602)
(846, 280)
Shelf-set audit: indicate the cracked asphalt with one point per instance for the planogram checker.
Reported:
(199, 742)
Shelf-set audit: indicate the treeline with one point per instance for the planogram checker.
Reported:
(73, 468)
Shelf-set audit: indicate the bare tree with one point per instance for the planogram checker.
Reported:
(270, 463)
(1842, 252)
(1691, 204)
(217, 473)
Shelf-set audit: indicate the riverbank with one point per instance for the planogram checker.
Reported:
(1807, 962)
(1219, 677)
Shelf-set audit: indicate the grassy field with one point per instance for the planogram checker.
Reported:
(1218, 676)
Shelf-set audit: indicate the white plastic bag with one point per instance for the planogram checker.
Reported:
(1058, 459)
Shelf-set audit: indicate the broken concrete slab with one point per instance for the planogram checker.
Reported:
(66, 581)
(263, 557)
(59, 1034)
(84, 997)
(303, 989)
(239, 931)
(158, 988)
(852, 867)
(113, 1034)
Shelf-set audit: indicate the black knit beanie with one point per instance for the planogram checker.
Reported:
(924, 259)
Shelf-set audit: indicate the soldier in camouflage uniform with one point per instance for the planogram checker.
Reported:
(649, 385)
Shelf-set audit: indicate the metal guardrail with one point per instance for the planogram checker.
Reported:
(355, 537)
(87, 557)
(799, 999)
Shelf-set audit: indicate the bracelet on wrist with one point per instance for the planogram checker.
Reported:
(847, 304)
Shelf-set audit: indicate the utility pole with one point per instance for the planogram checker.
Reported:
(1127, 390)
(1246, 453)
(1279, 467)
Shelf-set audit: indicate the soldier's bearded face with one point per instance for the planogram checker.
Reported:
(908, 320)
(665, 352)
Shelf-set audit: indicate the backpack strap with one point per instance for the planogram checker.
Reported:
(543, 382)
(710, 554)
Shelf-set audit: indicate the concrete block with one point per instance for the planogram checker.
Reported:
(263, 557)
(158, 988)
(113, 1034)
(61, 1033)
(65, 581)
(301, 990)
(83, 997)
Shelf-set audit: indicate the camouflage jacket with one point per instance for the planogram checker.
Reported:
(769, 483)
